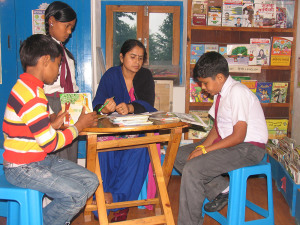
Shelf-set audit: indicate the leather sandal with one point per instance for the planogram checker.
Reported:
(120, 215)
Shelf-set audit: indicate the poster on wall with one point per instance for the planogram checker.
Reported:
(38, 19)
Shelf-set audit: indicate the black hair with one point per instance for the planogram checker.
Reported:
(130, 44)
(36, 46)
(61, 11)
(209, 65)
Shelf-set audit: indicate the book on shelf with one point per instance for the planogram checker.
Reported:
(264, 13)
(281, 50)
(277, 128)
(73, 103)
(211, 48)
(196, 51)
(223, 50)
(264, 91)
(240, 54)
(214, 16)
(247, 14)
(197, 94)
(232, 15)
(251, 84)
(279, 92)
(239, 78)
(262, 54)
(284, 13)
(199, 12)
(260, 41)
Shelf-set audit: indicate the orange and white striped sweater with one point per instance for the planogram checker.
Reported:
(28, 135)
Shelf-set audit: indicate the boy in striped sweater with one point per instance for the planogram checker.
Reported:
(29, 136)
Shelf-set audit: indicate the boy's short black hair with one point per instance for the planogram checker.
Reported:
(36, 46)
(209, 65)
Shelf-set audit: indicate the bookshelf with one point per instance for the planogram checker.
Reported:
(241, 35)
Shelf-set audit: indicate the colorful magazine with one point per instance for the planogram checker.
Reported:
(251, 84)
(279, 92)
(264, 91)
(196, 51)
(199, 12)
(232, 15)
(281, 51)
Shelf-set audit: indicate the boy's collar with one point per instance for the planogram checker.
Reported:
(32, 79)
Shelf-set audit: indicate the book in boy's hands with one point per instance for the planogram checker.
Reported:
(251, 84)
(281, 50)
(264, 91)
(191, 118)
(279, 92)
(73, 103)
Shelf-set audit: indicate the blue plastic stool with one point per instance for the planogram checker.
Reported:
(21, 206)
(237, 201)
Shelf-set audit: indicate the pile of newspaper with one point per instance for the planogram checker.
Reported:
(285, 152)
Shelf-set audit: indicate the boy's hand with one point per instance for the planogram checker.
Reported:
(195, 153)
(86, 120)
(57, 120)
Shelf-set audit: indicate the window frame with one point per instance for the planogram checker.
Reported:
(153, 5)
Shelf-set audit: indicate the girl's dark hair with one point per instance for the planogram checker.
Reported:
(130, 44)
(61, 11)
(209, 65)
(36, 46)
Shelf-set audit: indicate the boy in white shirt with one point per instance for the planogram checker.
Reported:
(236, 140)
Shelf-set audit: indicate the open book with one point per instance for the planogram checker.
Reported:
(174, 116)
(73, 103)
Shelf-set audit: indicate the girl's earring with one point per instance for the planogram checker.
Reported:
(51, 24)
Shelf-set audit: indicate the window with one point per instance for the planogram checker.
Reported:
(157, 27)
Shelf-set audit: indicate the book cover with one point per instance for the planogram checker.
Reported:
(197, 94)
(260, 41)
(262, 54)
(264, 91)
(240, 54)
(247, 14)
(264, 14)
(223, 50)
(195, 91)
(277, 128)
(199, 12)
(214, 16)
(279, 92)
(251, 84)
(211, 48)
(196, 51)
(231, 15)
(239, 78)
(281, 50)
(285, 13)
(73, 102)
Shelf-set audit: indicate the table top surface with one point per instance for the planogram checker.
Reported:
(106, 126)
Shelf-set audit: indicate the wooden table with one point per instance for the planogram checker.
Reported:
(168, 132)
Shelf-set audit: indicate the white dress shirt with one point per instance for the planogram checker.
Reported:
(239, 103)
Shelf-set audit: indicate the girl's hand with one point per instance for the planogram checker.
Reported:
(122, 108)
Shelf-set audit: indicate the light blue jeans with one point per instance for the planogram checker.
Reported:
(68, 184)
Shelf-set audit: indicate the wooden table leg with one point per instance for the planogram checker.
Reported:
(102, 214)
(171, 153)
(91, 150)
(161, 184)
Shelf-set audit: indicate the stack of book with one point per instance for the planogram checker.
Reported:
(243, 13)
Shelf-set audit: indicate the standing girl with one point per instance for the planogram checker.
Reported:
(60, 20)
